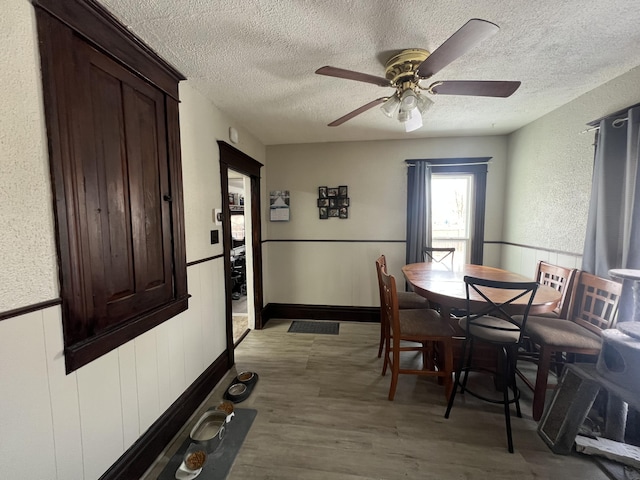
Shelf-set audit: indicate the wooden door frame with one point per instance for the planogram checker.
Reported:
(234, 159)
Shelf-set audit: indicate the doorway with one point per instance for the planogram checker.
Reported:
(240, 258)
(236, 164)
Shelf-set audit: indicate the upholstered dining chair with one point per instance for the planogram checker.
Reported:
(442, 255)
(406, 300)
(415, 331)
(560, 278)
(593, 308)
(494, 325)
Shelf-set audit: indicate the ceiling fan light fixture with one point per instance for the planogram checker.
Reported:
(414, 122)
(409, 100)
(404, 115)
(390, 106)
(424, 104)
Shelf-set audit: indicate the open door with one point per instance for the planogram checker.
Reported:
(240, 164)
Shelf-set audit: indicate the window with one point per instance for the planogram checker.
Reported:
(451, 207)
(115, 160)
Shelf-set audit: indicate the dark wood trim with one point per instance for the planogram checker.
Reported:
(321, 312)
(81, 353)
(65, 29)
(16, 312)
(234, 159)
(241, 162)
(94, 23)
(141, 455)
(203, 260)
(476, 166)
(532, 247)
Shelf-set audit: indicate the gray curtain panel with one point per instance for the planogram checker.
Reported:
(418, 210)
(613, 225)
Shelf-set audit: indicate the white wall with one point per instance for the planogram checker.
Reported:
(550, 167)
(342, 273)
(79, 424)
(29, 271)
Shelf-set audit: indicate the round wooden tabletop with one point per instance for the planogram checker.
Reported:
(447, 288)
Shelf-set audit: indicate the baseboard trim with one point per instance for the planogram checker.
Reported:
(141, 455)
(320, 312)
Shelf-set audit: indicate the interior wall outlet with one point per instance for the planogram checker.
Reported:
(214, 237)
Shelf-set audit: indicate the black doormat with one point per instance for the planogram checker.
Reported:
(219, 462)
(326, 328)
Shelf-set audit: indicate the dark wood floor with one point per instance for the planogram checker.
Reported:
(323, 414)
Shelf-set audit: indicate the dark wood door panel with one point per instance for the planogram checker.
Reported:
(122, 177)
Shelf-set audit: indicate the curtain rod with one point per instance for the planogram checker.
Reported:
(617, 123)
(450, 164)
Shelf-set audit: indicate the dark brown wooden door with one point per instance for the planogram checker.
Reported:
(124, 190)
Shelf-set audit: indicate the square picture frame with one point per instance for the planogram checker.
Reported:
(332, 192)
(343, 212)
(323, 202)
(343, 201)
(334, 212)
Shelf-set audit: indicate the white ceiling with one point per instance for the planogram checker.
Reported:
(255, 59)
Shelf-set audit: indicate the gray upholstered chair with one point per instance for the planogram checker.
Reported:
(406, 301)
(592, 309)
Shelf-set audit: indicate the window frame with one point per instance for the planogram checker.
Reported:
(477, 166)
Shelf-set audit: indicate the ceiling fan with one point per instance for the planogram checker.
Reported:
(406, 70)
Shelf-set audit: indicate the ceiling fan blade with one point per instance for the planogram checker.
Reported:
(357, 111)
(351, 75)
(478, 88)
(467, 37)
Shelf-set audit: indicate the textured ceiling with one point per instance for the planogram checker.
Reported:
(255, 59)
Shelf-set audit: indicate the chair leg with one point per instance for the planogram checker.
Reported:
(448, 367)
(395, 367)
(456, 379)
(382, 335)
(505, 398)
(467, 364)
(540, 389)
(387, 342)
(513, 359)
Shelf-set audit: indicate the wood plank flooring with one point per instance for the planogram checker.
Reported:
(323, 414)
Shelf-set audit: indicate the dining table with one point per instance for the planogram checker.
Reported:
(445, 287)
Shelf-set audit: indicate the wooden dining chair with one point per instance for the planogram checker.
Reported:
(406, 300)
(560, 278)
(415, 331)
(495, 326)
(442, 255)
(593, 308)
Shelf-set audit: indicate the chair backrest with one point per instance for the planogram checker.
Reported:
(499, 297)
(438, 254)
(389, 301)
(594, 303)
(560, 278)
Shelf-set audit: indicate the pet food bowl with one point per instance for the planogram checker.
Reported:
(210, 430)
